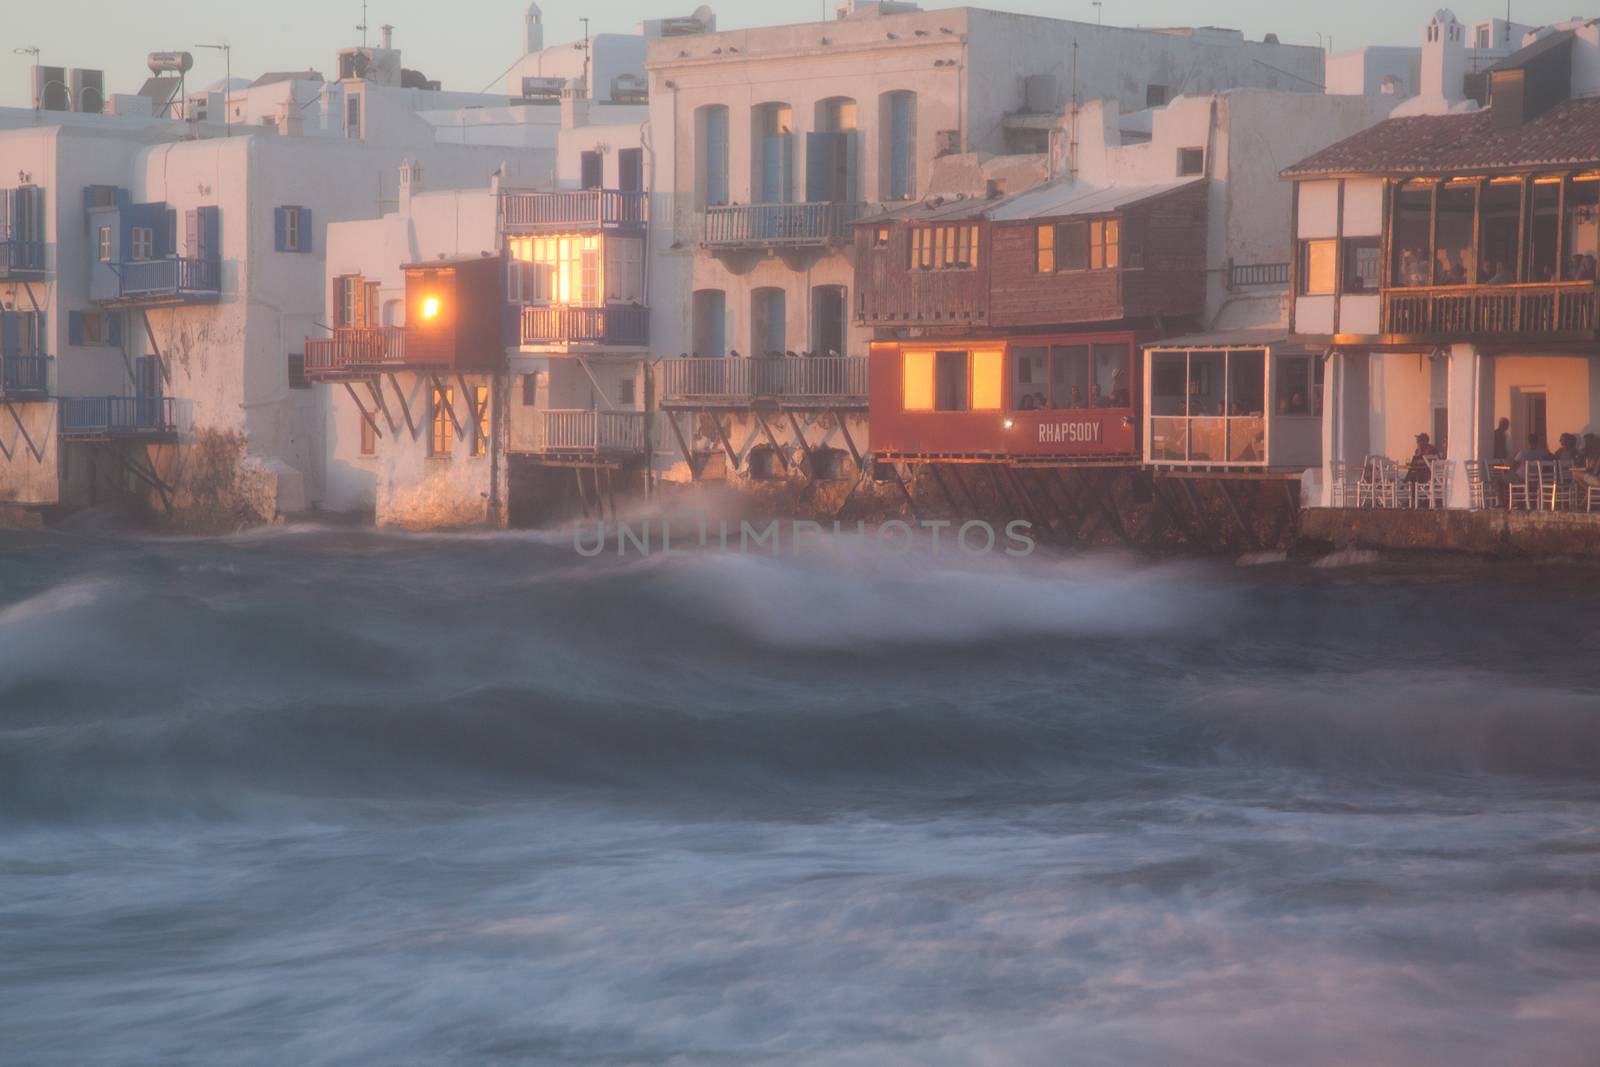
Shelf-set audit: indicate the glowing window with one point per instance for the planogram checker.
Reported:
(917, 381)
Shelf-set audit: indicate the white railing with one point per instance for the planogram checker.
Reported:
(589, 431)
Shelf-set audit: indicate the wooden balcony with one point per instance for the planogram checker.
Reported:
(24, 376)
(787, 381)
(754, 226)
(118, 416)
(353, 351)
(173, 280)
(1550, 311)
(612, 324)
(21, 259)
(580, 432)
(573, 210)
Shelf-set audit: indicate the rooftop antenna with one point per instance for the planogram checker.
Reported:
(1097, 13)
(227, 85)
(363, 26)
(585, 55)
(1072, 145)
(30, 50)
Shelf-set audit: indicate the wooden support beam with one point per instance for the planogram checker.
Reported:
(38, 453)
(443, 392)
(850, 442)
(470, 396)
(1105, 497)
(161, 361)
(28, 287)
(938, 479)
(861, 477)
(800, 436)
(683, 446)
(1203, 522)
(771, 440)
(894, 468)
(1238, 515)
(405, 408)
(966, 490)
(722, 438)
(365, 414)
(375, 387)
(583, 364)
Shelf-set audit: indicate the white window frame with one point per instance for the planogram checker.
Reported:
(105, 244)
(142, 244)
(291, 230)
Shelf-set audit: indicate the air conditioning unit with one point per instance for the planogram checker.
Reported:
(88, 90)
(50, 88)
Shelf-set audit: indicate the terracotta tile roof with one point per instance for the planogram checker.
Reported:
(1566, 135)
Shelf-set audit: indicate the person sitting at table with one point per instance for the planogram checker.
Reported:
(1026, 403)
(1587, 470)
(1534, 453)
(1567, 454)
(1418, 470)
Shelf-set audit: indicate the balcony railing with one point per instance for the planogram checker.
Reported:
(118, 415)
(24, 375)
(176, 276)
(574, 209)
(351, 349)
(739, 381)
(1493, 310)
(760, 225)
(613, 324)
(1250, 275)
(21, 257)
(583, 431)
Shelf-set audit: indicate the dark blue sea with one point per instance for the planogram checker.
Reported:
(327, 796)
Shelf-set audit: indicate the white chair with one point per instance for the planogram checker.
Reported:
(1523, 492)
(1433, 493)
(1481, 492)
(1341, 494)
(1555, 486)
(1591, 496)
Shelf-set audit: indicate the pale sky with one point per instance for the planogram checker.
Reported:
(467, 44)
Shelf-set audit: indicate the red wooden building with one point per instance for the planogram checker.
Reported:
(1009, 328)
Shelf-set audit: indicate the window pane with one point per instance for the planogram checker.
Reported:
(1113, 236)
(1111, 376)
(1453, 248)
(1317, 266)
(1542, 233)
(1361, 257)
(1497, 240)
(950, 381)
(1206, 395)
(1046, 238)
(1293, 386)
(1168, 383)
(1069, 376)
(916, 382)
(987, 367)
(1030, 371)
(1582, 238)
(1412, 210)
(1072, 246)
(1247, 382)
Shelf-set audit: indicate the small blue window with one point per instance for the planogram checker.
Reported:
(291, 229)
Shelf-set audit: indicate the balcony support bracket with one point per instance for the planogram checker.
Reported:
(147, 474)
(367, 416)
(405, 408)
(683, 446)
(449, 409)
(161, 361)
(855, 453)
(766, 431)
(375, 388)
(722, 438)
(22, 428)
(472, 405)
(800, 436)
(28, 287)
(1238, 515)
(583, 362)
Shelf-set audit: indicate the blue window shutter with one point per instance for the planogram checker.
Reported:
(10, 333)
(819, 167)
(167, 234)
(209, 229)
(307, 240)
(717, 156)
(280, 229)
(5, 214)
(191, 234)
(852, 152)
(75, 327)
(113, 332)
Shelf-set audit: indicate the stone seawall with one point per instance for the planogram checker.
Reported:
(1496, 534)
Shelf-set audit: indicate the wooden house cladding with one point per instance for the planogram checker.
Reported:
(895, 288)
(1143, 261)
(1055, 256)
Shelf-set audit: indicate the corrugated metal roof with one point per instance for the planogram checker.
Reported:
(1060, 199)
(1068, 198)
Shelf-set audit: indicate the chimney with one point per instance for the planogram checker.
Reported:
(410, 184)
(574, 104)
(388, 35)
(534, 20)
(1444, 58)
